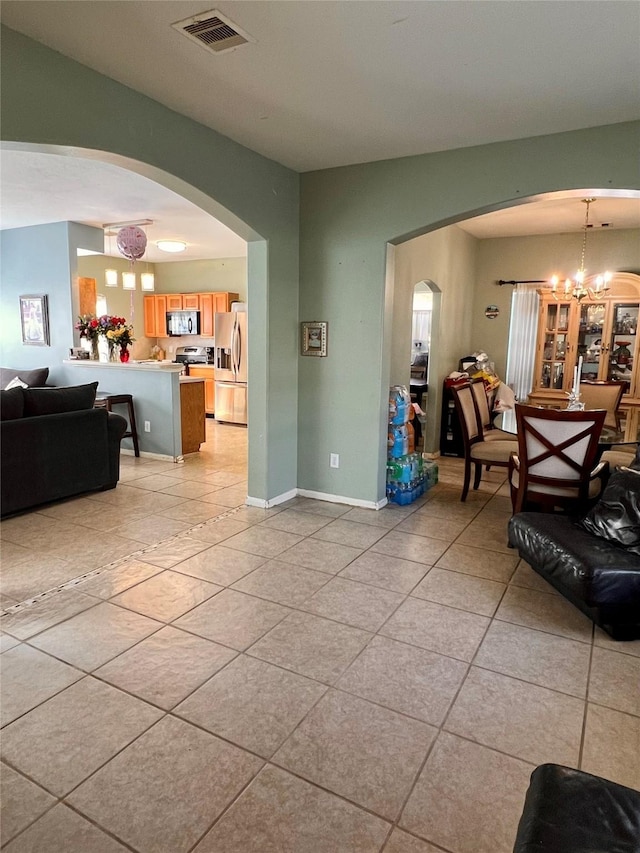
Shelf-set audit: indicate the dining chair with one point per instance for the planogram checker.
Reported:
(554, 465)
(477, 451)
(489, 432)
(603, 395)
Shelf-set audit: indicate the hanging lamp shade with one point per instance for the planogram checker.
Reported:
(131, 242)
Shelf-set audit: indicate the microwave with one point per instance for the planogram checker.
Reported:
(183, 323)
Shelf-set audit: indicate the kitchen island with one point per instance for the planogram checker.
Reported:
(156, 391)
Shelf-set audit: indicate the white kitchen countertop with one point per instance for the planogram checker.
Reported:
(169, 366)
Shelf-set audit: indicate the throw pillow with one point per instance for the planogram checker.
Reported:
(11, 404)
(53, 401)
(34, 378)
(16, 383)
(616, 516)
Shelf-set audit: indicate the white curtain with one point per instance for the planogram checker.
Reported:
(521, 353)
(421, 329)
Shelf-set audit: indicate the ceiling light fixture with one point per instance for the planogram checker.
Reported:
(111, 278)
(575, 287)
(128, 281)
(147, 281)
(171, 245)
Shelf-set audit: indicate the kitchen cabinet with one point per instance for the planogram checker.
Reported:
(191, 301)
(214, 303)
(208, 304)
(206, 372)
(603, 329)
(222, 301)
(155, 316)
(206, 314)
(192, 414)
(174, 302)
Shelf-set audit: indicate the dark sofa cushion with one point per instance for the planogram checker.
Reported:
(616, 516)
(11, 404)
(33, 378)
(53, 401)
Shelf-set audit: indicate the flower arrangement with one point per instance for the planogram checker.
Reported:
(122, 334)
(88, 327)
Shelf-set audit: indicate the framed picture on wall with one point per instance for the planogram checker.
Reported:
(34, 320)
(314, 338)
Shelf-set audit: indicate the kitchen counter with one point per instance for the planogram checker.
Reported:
(169, 366)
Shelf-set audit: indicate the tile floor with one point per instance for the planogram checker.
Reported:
(205, 676)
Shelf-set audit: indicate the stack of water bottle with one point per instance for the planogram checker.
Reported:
(408, 475)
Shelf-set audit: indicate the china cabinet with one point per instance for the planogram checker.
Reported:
(602, 328)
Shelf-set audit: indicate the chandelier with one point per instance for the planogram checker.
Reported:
(575, 287)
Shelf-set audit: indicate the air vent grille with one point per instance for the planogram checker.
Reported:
(213, 31)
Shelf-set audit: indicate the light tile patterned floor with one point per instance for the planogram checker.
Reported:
(312, 678)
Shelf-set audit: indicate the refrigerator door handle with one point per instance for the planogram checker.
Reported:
(235, 356)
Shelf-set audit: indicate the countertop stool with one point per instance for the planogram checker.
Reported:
(104, 400)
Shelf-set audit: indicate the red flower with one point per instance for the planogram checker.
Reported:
(93, 324)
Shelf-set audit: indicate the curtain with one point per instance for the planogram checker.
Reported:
(421, 331)
(521, 352)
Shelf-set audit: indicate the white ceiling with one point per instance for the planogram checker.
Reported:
(42, 188)
(350, 81)
(371, 80)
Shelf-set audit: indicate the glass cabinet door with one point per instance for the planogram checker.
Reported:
(590, 333)
(555, 345)
(622, 348)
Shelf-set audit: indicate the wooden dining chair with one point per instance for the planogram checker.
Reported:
(489, 432)
(477, 451)
(554, 465)
(603, 395)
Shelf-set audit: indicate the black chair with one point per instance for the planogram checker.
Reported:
(106, 401)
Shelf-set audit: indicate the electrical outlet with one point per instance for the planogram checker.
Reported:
(334, 460)
(147, 426)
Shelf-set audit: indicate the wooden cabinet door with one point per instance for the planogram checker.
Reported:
(222, 301)
(87, 295)
(206, 314)
(206, 373)
(174, 301)
(161, 316)
(150, 316)
(190, 301)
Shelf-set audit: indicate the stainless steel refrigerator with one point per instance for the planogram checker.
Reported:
(230, 333)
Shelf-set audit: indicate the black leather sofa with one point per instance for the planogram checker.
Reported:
(54, 444)
(593, 561)
(569, 811)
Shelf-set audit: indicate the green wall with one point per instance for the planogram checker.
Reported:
(49, 100)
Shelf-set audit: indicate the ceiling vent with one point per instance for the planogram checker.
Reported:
(213, 31)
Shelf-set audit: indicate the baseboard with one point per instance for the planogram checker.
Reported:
(266, 504)
(340, 499)
(160, 457)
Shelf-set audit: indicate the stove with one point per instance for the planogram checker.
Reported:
(194, 355)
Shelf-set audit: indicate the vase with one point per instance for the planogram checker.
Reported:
(103, 349)
(95, 355)
(113, 351)
(124, 355)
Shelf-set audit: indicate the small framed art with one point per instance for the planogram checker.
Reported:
(34, 320)
(314, 338)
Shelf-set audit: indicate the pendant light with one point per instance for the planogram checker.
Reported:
(575, 287)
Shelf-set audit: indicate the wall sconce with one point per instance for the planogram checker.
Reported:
(147, 281)
(111, 278)
(128, 281)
